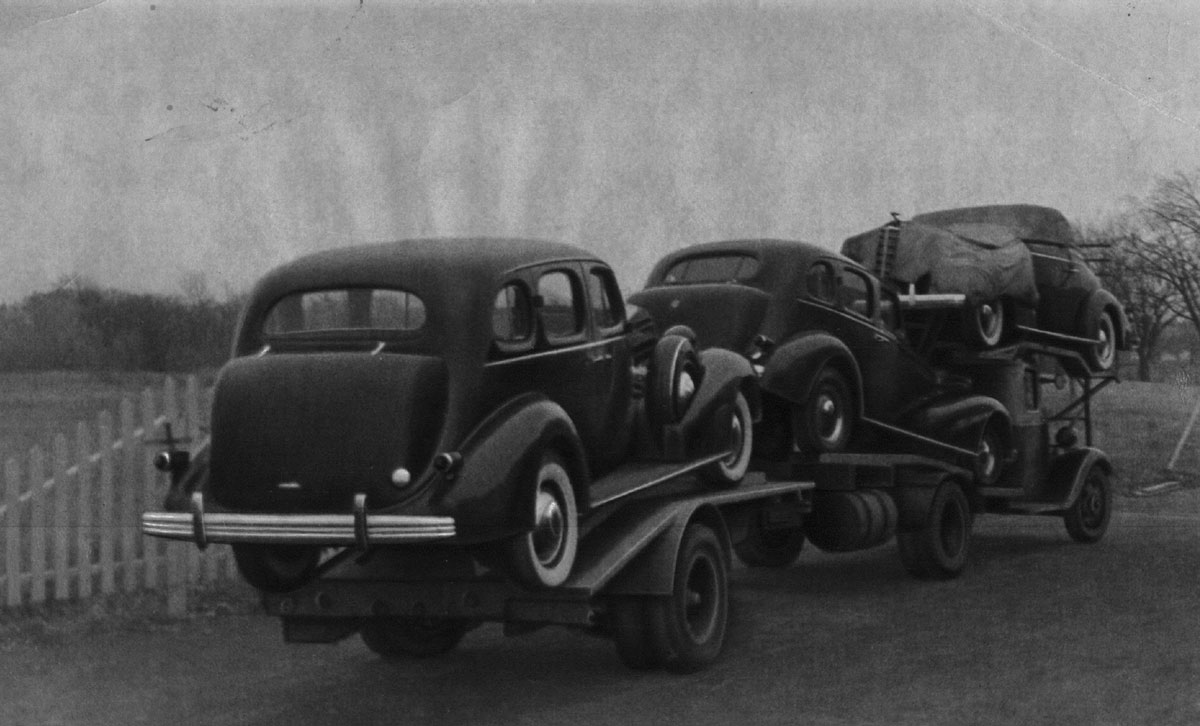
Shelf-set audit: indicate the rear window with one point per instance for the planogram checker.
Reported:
(346, 309)
(712, 268)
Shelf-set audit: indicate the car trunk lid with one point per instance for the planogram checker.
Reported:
(305, 432)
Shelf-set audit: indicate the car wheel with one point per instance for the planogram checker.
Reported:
(985, 323)
(938, 550)
(544, 556)
(674, 378)
(728, 472)
(989, 464)
(687, 628)
(413, 637)
(1102, 357)
(276, 568)
(824, 422)
(764, 547)
(1087, 518)
(629, 625)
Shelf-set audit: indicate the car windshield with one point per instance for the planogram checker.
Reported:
(712, 268)
(346, 309)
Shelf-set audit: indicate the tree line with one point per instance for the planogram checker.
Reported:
(82, 326)
(1152, 263)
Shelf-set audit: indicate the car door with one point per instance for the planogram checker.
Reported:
(1058, 281)
(610, 359)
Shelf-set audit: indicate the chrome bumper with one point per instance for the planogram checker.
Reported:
(357, 528)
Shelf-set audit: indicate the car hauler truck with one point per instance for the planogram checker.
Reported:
(861, 500)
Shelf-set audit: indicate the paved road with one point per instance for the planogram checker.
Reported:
(1040, 630)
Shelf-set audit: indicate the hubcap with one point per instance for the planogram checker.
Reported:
(1104, 349)
(736, 441)
(989, 320)
(549, 528)
(685, 388)
(829, 417)
(987, 458)
(1091, 505)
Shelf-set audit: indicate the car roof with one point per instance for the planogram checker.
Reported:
(1027, 221)
(779, 258)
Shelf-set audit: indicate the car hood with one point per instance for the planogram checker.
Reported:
(306, 432)
(722, 315)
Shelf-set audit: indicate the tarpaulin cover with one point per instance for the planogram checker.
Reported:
(983, 261)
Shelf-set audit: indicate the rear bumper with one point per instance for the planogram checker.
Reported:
(355, 528)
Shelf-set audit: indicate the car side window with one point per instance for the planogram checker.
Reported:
(512, 314)
(561, 304)
(854, 293)
(821, 283)
(607, 308)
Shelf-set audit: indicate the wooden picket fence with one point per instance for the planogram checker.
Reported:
(70, 519)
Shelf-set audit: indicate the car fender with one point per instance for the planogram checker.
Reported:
(1092, 306)
(490, 492)
(960, 420)
(1067, 470)
(793, 366)
(725, 374)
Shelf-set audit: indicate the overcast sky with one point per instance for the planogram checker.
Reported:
(141, 142)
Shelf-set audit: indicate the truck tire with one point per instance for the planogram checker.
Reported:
(395, 637)
(939, 549)
(764, 547)
(687, 628)
(1088, 516)
(629, 626)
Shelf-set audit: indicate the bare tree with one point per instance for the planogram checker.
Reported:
(1171, 250)
(1150, 302)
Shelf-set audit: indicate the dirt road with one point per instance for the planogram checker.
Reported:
(1039, 630)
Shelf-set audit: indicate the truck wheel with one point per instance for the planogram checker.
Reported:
(1087, 518)
(394, 637)
(938, 550)
(674, 378)
(823, 423)
(276, 568)
(628, 620)
(544, 556)
(764, 547)
(985, 323)
(687, 627)
(728, 472)
(1102, 357)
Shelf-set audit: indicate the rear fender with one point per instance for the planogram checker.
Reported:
(961, 421)
(792, 368)
(1097, 302)
(725, 374)
(491, 493)
(1067, 472)
(652, 572)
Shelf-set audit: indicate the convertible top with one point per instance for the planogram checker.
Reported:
(982, 258)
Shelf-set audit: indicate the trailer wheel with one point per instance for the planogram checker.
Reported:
(629, 625)
(763, 547)
(276, 568)
(938, 550)
(1087, 518)
(394, 637)
(687, 628)
(823, 423)
(544, 556)
(728, 472)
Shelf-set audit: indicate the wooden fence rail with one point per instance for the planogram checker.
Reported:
(75, 533)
